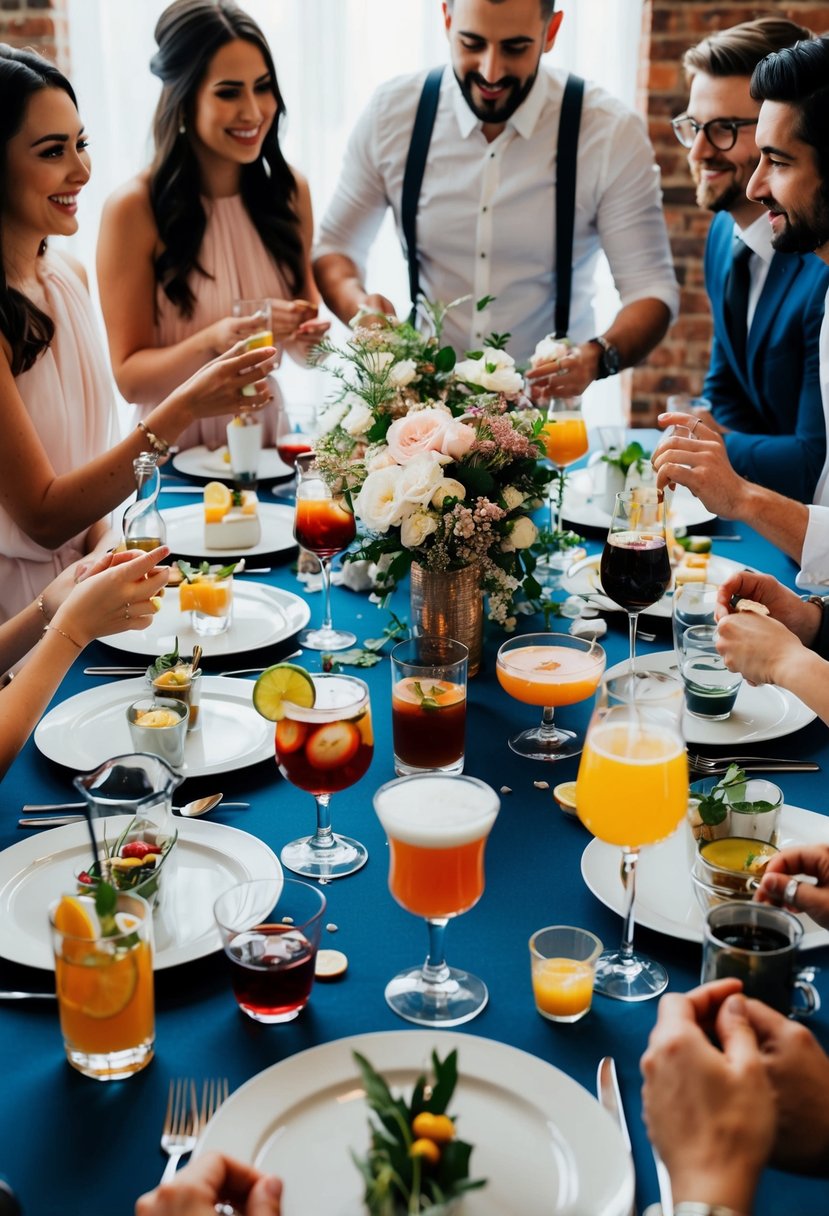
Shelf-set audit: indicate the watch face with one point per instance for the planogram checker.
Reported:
(610, 360)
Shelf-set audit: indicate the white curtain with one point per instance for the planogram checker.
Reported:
(329, 55)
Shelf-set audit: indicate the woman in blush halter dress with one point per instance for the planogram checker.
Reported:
(219, 216)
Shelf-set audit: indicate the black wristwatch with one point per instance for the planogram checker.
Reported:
(610, 361)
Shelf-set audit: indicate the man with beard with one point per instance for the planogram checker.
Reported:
(485, 224)
(767, 305)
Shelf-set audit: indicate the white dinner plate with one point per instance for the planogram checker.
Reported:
(686, 511)
(759, 713)
(88, 728)
(208, 859)
(665, 899)
(262, 616)
(185, 532)
(544, 1143)
(201, 462)
(584, 578)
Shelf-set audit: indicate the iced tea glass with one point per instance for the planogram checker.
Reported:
(437, 827)
(104, 985)
(323, 524)
(325, 749)
(270, 929)
(428, 705)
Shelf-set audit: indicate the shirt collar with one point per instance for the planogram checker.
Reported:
(523, 121)
(758, 238)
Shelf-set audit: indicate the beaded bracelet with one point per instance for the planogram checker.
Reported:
(42, 608)
(158, 445)
(63, 634)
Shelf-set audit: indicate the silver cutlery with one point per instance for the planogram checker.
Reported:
(190, 810)
(28, 996)
(139, 671)
(716, 766)
(607, 1088)
(184, 1119)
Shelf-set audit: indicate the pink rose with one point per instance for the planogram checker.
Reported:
(429, 430)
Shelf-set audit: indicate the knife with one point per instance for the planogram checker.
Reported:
(28, 996)
(607, 1087)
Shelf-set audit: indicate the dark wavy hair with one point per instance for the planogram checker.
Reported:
(27, 328)
(799, 76)
(188, 35)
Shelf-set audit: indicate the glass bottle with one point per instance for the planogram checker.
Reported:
(143, 526)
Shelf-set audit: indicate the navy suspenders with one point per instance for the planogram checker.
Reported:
(566, 154)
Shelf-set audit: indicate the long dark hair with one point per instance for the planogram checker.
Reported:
(27, 328)
(188, 34)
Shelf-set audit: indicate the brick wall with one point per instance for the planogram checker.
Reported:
(669, 28)
(39, 24)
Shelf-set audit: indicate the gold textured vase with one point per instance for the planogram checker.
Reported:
(449, 604)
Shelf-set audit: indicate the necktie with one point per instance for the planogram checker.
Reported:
(736, 298)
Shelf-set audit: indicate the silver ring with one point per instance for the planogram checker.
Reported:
(696, 424)
(790, 893)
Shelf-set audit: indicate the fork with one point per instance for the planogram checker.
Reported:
(181, 1128)
(715, 766)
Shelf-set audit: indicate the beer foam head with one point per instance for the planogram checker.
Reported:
(436, 812)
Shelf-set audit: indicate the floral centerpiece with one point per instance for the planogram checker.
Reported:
(440, 457)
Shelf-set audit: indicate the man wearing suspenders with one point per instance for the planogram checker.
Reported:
(494, 196)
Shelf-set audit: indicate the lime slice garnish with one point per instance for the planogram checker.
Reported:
(280, 683)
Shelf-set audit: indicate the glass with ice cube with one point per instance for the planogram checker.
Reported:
(270, 930)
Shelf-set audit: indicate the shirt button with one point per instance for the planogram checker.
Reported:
(483, 255)
(483, 208)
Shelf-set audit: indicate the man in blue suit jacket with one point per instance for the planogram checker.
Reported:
(767, 307)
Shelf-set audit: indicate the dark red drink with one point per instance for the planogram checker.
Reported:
(272, 971)
(292, 446)
(428, 723)
(324, 757)
(323, 525)
(635, 569)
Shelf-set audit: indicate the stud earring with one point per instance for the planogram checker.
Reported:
(182, 127)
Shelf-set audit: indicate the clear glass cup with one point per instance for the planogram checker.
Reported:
(180, 683)
(210, 603)
(270, 929)
(428, 705)
(324, 524)
(323, 750)
(632, 790)
(759, 945)
(635, 566)
(710, 688)
(104, 987)
(549, 670)
(564, 435)
(656, 691)
(165, 740)
(437, 827)
(261, 311)
(693, 604)
(297, 428)
(244, 444)
(563, 970)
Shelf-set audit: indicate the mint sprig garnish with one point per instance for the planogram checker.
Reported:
(426, 696)
(731, 788)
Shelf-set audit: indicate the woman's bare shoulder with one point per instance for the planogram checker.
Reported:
(130, 203)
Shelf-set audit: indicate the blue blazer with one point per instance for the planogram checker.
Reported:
(773, 406)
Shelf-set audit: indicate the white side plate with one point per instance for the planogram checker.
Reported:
(185, 532)
(201, 462)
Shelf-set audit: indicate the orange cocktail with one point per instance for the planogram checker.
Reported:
(565, 438)
(437, 827)
(550, 670)
(324, 524)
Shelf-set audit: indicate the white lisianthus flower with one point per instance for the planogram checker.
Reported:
(416, 527)
(378, 360)
(332, 417)
(378, 504)
(419, 478)
(549, 349)
(523, 532)
(403, 373)
(512, 498)
(494, 372)
(359, 418)
(379, 458)
(448, 487)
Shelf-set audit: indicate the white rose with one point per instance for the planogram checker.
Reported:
(523, 532)
(448, 487)
(378, 360)
(494, 372)
(359, 418)
(416, 527)
(403, 373)
(512, 498)
(379, 458)
(549, 349)
(332, 417)
(419, 478)
(378, 503)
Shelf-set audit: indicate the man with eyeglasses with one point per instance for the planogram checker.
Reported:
(767, 305)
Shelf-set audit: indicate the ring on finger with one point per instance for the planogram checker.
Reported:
(790, 893)
(696, 424)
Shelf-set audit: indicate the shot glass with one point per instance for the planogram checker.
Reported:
(180, 684)
(261, 309)
(693, 604)
(563, 966)
(270, 930)
(428, 705)
(244, 443)
(759, 944)
(104, 988)
(165, 740)
(710, 688)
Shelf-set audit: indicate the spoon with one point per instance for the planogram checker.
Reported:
(190, 810)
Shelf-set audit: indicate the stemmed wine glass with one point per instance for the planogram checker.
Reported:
(324, 749)
(635, 566)
(565, 440)
(296, 432)
(324, 524)
(549, 670)
(437, 827)
(632, 790)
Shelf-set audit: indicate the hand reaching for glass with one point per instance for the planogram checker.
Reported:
(779, 884)
(798, 615)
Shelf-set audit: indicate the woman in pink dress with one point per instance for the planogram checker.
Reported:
(59, 474)
(218, 216)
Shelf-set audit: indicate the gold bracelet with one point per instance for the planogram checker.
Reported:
(42, 608)
(63, 634)
(157, 444)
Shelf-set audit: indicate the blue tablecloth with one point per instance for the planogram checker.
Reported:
(69, 1144)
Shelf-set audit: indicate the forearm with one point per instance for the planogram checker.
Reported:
(25, 699)
(147, 376)
(638, 328)
(805, 674)
(781, 520)
(19, 635)
(340, 283)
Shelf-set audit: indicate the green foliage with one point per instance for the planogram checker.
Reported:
(713, 807)
(634, 453)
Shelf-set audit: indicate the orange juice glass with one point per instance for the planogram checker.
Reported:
(209, 600)
(323, 524)
(259, 310)
(549, 670)
(104, 987)
(564, 435)
(563, 967)
(437, 827)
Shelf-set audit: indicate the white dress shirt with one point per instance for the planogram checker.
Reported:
(814, 560)
(486, 220)
(758, 238)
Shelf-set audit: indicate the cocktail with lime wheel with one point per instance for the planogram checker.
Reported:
(324, 744)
